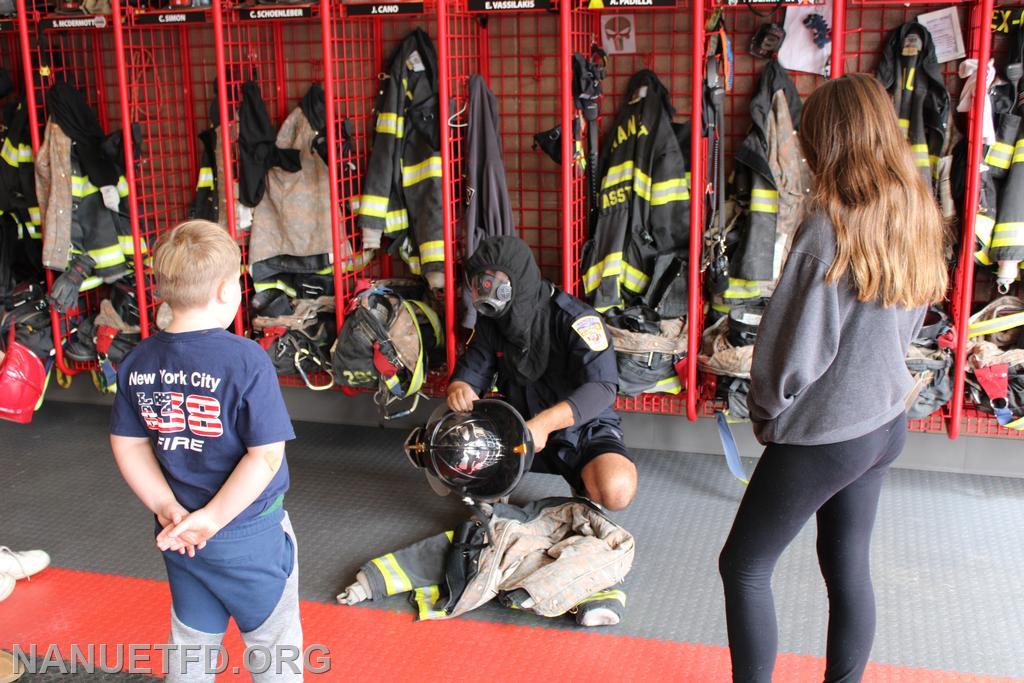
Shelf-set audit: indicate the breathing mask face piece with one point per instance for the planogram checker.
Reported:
(491, 291)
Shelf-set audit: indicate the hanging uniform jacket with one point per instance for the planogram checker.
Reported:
(912, 76)
(772, 181)
(75, 160)
(488, 209)
(17, 172)
(206, 204)
(546, 557)
(402, 189)
(642, 227)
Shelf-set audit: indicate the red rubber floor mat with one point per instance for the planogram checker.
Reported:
(67, 607)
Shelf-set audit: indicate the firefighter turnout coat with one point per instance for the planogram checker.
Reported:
(17, 172)
(644, 199)
(402, 190)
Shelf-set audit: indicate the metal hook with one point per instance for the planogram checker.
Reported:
(456, 115)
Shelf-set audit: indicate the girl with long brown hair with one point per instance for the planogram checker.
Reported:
(828, 380)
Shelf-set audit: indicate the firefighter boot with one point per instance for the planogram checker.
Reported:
(64, 293)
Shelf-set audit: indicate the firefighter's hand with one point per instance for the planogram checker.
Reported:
(461, 397)
(540, 434)
(194, 530)
(111, 199)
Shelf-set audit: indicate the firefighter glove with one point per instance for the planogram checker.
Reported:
(371, 238)
(64, 292)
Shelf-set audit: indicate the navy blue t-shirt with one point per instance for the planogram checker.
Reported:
(203, 399)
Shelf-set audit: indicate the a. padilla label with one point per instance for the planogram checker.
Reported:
(383, 8)
(170, 18)
(632, 4)
(265, 13)
(75, 22)
(507, 5)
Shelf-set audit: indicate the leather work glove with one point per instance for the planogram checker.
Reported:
(371, 238)
(64, 292)
(111, 199)
(435, 279)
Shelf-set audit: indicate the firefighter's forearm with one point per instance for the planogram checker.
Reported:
(140, 469)
(250, 478)
(558, 416)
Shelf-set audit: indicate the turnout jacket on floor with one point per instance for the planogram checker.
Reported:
(402, 190)
(644, 213)
(772, 182)
(70, 169)
(919, 95)
(545, 557)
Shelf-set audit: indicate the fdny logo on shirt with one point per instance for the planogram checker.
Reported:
(591, 330)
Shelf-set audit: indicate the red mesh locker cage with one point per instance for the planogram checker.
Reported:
(362, 35)
(167, 87)
(79, 50)
(867, 24)
(975, 285)
(10, 48)
(663, 36)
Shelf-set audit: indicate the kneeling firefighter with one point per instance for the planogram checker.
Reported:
(553, 362)
(550, 557)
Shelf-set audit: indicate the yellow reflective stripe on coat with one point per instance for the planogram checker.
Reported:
(396, 221)
(35, 215)
(122, 187)
(764, 201)
(995, 325)
(617, 174)
(1008, 235)
(430, 168)
(609, 266)
(395, 579)
(82, 187)
(999, 155)
(666, 191)
(634, 279)
(904, 125)
(274, 284)
(24, 153)
(107, 256)
(669, 385)
(432, 252)
(9, 153)
(920, 153)
(983, 226)
(910, 79)
(90, 283)
(205, 178)
(1018, 151)
(435, 324)
(391, 124)
(605, 595)
(742, 289)
(373, 205)
(426, 598)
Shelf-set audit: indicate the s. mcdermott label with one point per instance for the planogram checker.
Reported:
(265, 13)
(355, 9)
(507, 5)
(75, 22)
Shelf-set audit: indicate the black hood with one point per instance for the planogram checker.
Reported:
(525, 324)
(67, 106)
(936, 105)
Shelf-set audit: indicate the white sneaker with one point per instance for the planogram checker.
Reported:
(23, 564)
(6, 586)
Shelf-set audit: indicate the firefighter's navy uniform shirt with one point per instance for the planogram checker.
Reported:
(203, 399)
(572, 364)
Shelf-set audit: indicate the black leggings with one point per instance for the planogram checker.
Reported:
(840, 482)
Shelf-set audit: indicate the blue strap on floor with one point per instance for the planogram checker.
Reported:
(732, 454)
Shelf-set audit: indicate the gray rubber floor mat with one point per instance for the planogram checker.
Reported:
(947, 555)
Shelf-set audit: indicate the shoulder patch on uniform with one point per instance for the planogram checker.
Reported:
(591, 330)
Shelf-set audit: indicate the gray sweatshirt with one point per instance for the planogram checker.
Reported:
(827, 367)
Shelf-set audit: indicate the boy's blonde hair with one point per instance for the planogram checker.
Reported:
(191, 260)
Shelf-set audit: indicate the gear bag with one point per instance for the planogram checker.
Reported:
(390, 338)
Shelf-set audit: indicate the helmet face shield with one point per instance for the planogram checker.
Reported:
(481, 454)
(491, 291)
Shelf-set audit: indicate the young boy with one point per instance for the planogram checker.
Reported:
(198, 431)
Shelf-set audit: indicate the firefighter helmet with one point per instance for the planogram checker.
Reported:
(481, 454)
